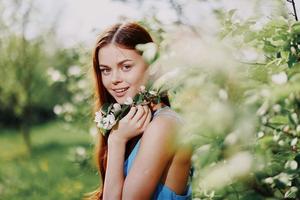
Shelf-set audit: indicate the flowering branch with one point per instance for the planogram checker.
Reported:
(111, 113)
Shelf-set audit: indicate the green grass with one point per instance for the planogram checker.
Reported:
(50, 171)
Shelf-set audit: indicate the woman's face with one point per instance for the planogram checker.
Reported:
(123, 71)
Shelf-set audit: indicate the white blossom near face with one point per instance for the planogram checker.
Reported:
(98, 117)
(117, 107)
(123, 71)
(142, 88)
(104, 122)
(149, 51)
(109, 121)
(128, 101)
(280, 78)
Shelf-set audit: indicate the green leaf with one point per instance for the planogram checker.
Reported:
(285, 55)
(105, 107)
(296, 28)
(292, 60)
(279, 119)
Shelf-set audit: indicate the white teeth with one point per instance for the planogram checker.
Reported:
(120, 90)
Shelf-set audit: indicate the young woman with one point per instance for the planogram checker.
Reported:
(140, 159)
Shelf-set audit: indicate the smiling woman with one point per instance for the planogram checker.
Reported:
(124, 74)
(140, 158)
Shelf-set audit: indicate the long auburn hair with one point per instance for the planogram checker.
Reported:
(126, 35)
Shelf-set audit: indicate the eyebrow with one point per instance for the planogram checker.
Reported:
(120, 63)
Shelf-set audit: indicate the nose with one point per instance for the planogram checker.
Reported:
(116, 78)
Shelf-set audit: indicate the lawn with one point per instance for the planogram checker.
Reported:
(59, 167)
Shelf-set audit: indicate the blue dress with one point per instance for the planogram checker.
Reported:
(162, 192)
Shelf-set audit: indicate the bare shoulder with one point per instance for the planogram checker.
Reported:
(157, 149)
(162, 131)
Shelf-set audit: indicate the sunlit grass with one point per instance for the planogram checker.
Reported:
(48, 173)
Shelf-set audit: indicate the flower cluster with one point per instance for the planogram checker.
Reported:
(110, 113)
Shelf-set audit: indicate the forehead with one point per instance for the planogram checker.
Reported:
(112, 54)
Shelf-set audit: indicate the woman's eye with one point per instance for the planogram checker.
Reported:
(126, 67)
(105, 71)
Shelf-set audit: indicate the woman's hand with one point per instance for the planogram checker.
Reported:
(133, 124)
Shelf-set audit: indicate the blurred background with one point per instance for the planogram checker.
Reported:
(234, 68)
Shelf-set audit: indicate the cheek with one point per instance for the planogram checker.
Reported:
(105, 81)
(136, 80)
(135, 77)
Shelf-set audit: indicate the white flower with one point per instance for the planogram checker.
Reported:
(295, 117)
(98, 117)
(223, 174)
(280, 78)
(286, 128)
(74, 70)
(264, 120)
(293, 50)
(269, 180)
(109, 122)
(277, 108)
(298, 128)
(281, 143)
(149, 51)
(294, 142)
(276, 137)
(128, 101)
(152, 92)
(284, 178)
(142, 88)
(111, 118)
(55, 75)
(80, 151)
(68, 107)
(292, 164)
(57, 109)
(100, 125)
(260, 134)
(116, 107)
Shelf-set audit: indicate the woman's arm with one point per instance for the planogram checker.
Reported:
(133, 124)
(158, 146)
(114, 172)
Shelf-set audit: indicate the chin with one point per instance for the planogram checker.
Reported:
(120, 100)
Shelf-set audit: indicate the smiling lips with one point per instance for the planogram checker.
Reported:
(120, 92)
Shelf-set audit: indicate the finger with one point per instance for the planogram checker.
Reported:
(139, 113)
(147, 120)
(141, 121)
(144, 117)
(131, 113)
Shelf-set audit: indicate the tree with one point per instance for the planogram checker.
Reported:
(24, 91)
